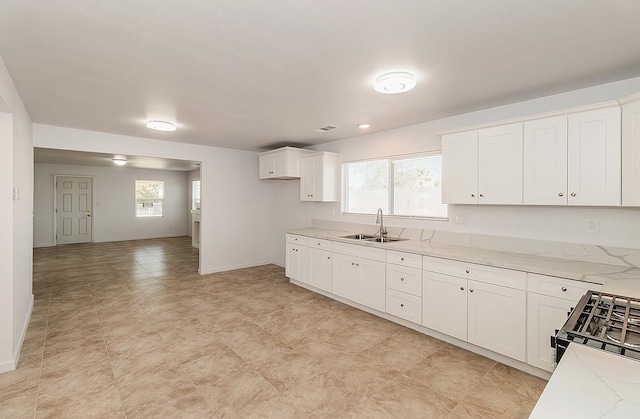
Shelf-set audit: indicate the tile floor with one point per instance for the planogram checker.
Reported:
(129, 329)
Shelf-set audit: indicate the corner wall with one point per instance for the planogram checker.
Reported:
(16, 260)
(618, 226)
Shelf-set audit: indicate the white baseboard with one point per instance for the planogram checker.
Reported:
(50, 244)
(280, 264)
(23, 333)
(231, 267)
(122, 239)
(12, 364)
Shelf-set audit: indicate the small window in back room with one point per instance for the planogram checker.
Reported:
(409, 186)
(195, 195)
(149, 198)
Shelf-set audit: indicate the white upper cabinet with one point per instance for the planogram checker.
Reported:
(460, 168)
(545, 161)
(631, 151)
(500, 165)
(319, 177)
(594, 164)
(483, 166)
(282, 163)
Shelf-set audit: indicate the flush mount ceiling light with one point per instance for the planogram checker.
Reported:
(397, 82)
(364, 126)
(120, 162)
(161, 125)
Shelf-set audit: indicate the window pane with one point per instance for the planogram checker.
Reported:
(368, 187)
(195, 195)
(417, 187)
(149, 198)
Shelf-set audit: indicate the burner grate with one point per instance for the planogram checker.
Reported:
(606, 321)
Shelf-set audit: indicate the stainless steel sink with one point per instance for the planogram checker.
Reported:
(385, 239)
(359, 237)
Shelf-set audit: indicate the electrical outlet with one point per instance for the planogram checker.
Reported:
(461, 219)
(112, 229)
(592, 225)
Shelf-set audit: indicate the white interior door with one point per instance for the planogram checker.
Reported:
(73, 210)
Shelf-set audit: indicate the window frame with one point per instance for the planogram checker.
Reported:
(389, 160)
(135, 198)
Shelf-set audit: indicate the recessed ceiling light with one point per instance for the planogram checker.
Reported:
(161, 125)
(120, 162)
(363, 126)
(397, 82)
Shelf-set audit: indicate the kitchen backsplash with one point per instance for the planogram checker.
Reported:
(610, 255)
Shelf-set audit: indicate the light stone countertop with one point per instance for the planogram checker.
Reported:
(619, 280)
(590, 383)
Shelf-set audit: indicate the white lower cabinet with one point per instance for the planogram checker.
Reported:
(545, 315)
(319, 269)
(496, 319)
(403, 305)
(549, 302)
(404, 285)
(357, 278)
(486, 314)
(444, 304)
(296, 262)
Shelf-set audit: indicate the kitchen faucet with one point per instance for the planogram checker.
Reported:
(379, 220)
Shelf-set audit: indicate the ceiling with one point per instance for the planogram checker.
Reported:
(255, 74)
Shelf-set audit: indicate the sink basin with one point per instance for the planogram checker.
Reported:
(385, 239)
(359, 237)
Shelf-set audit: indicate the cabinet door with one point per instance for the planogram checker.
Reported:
(594, 149)
(309, 178)
(267, 169)
(444, 304)
(545, 161)
(545, 315)
(500, 165)
(497, 319)
(371, 283)
(296, 263)
(319, 269)
(631, 153)
(460, 168)
(343, 276)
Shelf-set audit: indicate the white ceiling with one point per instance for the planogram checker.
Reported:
(255, 74)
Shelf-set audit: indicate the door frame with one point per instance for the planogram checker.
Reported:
(55, 204)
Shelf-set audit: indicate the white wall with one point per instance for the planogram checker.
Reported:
(618, 227)
(113, 201)
(237, 208)
(16, 276)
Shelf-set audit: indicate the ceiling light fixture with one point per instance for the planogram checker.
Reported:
(363, 126)
(120, 162)
(397, 82)
(161, 125)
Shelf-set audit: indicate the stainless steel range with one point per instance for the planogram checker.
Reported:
(604, 321)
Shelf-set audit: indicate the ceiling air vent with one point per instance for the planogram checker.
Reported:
(325, 129)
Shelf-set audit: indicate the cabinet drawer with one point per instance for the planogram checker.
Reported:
(294, 238)
(404, 259)
(489, 274)
(559, 287)
(405, 306)
(404, 279)
(360, 251)
(319, 244)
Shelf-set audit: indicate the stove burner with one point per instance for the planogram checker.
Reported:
(604, 321)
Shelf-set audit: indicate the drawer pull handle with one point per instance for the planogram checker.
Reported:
(328, 257)
(467, 271)
(402, 259)
(560, 194)
(473, 195)
(401, 279)
(461, 288)
(564, 289)
(402, 305)
(352, 263)
(470, 289)
(357, 264)
(573, 194)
